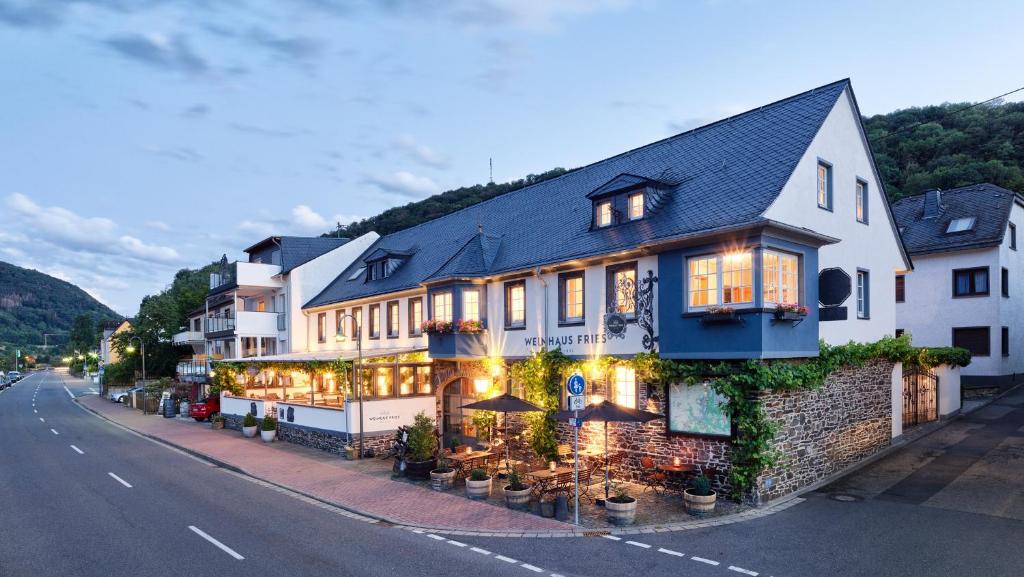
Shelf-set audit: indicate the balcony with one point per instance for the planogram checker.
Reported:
(245, 274)
(187, 338)
(219, 324)
(251, 323)
(458, 345)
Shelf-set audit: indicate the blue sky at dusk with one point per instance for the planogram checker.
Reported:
(140, 137)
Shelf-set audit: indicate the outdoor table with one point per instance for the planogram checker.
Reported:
(543, 477)
(463, 463)
(677, 475)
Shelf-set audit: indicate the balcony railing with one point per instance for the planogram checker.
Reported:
(219, 324)
(187, 337)
(225, 276)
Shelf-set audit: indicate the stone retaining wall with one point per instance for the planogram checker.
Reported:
(822, 432)
(322, 440)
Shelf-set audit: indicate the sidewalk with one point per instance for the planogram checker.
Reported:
(327, 477)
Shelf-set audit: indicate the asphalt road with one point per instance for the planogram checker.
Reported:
(65, 513)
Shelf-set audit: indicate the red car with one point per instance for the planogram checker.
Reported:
(203, 410)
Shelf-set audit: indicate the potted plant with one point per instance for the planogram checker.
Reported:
(422, 447)
(790, 312)
(442, 478)
(249, 425)
(621, 507)
(517, 493)
(469, 326)
(268, 430)
(478, 484)
(350, 452)
(217, 422)
(699, 497)
(719, 314)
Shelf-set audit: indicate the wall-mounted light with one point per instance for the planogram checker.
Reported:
(481, 385)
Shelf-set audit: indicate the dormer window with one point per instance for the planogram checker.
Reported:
(377, 270)
(603, 217)
(636, 205)
(960, 225)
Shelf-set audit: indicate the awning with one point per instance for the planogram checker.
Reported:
(328, 356)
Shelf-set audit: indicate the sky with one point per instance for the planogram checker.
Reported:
(138, 137)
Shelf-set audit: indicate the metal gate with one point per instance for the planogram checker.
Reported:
(920, 397)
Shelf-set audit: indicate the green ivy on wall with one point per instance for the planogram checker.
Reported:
(542, 375)
(226, 373)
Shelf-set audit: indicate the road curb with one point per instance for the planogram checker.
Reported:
(749, 515)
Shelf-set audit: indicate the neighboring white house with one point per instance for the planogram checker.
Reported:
(967, 287)
(108, 354)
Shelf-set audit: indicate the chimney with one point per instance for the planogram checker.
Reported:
(932, 203)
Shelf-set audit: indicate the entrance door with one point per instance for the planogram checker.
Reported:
(920, 398)
(457, 424)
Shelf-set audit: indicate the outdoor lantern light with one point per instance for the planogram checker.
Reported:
(551, 466)
(129, 349)
(481, 385)
(339, 338)
(675, 461)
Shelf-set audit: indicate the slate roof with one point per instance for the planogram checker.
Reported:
(988, 203)
(298, 250)
(720, 175)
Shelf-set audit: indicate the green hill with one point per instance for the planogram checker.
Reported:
(916, 149)
(33, 303)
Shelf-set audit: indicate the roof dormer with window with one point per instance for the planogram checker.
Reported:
(625, 198)
(381, 263)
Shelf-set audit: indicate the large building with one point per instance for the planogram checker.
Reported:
(965, 289)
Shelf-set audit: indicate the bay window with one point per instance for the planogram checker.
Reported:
(781, 278)
(726, 279)
(470, 305)
(443, 306)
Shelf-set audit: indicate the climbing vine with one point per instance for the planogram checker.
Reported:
(225, 373)
(542, 375)
(739, 383)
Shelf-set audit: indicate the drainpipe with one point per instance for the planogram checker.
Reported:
(544, 298)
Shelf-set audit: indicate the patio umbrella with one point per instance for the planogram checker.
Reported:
(608, 412)
(505, 404)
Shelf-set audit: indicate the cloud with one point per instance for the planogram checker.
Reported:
(304, 220)
(299, 48)
(31, 14)
(422, 153)
(61, 224)
(196, 111)
(157, 51)
(180, 153)
(159, 225)
(307, 218)
(263, 131)
(137, 248)
(405, 183)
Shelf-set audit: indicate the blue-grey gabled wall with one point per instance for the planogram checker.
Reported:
(757, 335)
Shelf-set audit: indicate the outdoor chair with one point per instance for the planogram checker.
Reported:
(650, 476)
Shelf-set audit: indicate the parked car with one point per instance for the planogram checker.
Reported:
(122, 396)
(4, 382)
(13, 376)
(204, 409)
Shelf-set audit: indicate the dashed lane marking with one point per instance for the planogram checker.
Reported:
(612, 537)
(215, 542)
(480, 551)
(55, 431)
(120, 480)
(670, 552)
(456, 543)
(742, 570)
(703, 560)
(435, 537)
(533, 568)
(77, 450)
(505, 559)
(636, 544)
(42, 420)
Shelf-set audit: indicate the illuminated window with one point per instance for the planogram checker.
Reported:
(624, 386)
(824, 186)
(374, 321)
(726, 279)
(415, 317)
(570, 297)
(443, 307)
(622, 288)
(862, 201)
(470, 305)
(636, 206)
(321, 328)
(781, 283)
(604, 214)
(393, 320)
(515, 304)
(339, 322)
(385, 382)
(406, 381)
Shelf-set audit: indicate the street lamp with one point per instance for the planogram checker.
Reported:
(130, 350)
(356, 370)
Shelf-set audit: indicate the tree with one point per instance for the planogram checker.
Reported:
(83, 334)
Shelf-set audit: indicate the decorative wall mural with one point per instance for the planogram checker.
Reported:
(697, 410)
(645, 310)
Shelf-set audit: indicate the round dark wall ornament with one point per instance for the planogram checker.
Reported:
(834, 287)
(615, 324)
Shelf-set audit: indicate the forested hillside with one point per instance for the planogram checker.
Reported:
(33, 303)
(916, 149)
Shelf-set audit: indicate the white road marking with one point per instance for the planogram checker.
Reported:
(35, 411)
(70, 394)
(480, 551)
(670, 552)
(742, 570)
(55, 431)
(612, 537)
(703, 560)
(635, 544)
(456, 543)
(77, 450)
(505, 559)
(533, 568)
(556, 575)
(120, 480)
(216, 543)
(42, 420)
(435, 537)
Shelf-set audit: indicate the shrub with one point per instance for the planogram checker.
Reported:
(515, 482)
(701, 486)
(621, 494)
(422, 438)
(218, 419)
(478, 475)
(269, 423)
(249, 421)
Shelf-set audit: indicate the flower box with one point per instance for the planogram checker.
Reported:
(719, 315)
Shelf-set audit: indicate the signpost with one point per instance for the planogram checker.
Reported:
(576, 385)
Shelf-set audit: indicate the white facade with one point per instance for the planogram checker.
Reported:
(873, 247)
(930, 312)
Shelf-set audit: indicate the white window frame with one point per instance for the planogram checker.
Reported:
(861, 199)
(640, 206)
(720, 279)
(601, 213)
(781, 286)
(823, 185)
(446, 295)
(470, 313)
(863, 294)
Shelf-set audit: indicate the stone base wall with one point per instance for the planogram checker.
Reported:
(822, 432)
(323, 440)
(631, 441)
